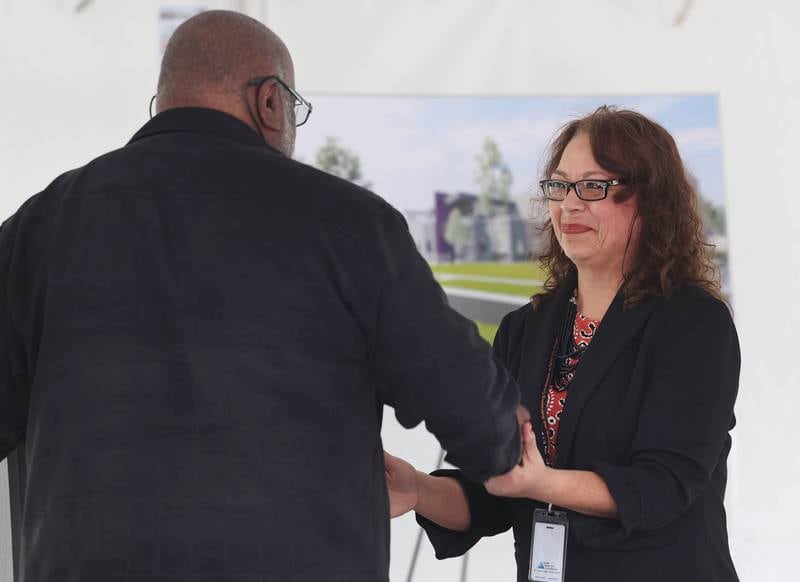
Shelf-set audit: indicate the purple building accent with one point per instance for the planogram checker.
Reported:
(444, 250)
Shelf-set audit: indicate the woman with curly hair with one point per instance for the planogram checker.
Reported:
(629, 361)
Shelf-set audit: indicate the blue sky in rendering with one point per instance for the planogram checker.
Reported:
(411, 147)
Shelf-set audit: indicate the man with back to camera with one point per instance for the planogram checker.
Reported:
(198, 335)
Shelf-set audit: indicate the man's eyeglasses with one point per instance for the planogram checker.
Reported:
(302, 108)
(588, 190)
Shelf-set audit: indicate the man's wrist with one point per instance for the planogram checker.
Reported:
(422, 481)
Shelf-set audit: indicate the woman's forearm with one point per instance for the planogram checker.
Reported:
(442, 500)
(581, 491)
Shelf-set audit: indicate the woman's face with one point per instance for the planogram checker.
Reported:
(592, 234)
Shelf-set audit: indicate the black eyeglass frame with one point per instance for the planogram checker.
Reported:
(575, 186)
(257, 82)
(299, 100)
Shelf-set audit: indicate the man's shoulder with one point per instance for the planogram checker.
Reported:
(48, 201)
(336, 191)
(339, 203)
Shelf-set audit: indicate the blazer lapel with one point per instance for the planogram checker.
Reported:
(615, 332)
(536, 346)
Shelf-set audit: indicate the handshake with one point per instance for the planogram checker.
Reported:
(442, 499)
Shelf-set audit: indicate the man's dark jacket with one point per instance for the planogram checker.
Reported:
(197, 336)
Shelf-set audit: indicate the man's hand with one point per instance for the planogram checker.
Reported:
(401, 482)
(527, 478)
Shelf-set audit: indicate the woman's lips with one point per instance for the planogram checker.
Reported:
(574, 228)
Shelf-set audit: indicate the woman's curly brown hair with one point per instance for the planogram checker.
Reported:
(672, 248)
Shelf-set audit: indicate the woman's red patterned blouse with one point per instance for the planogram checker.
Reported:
(555, 396)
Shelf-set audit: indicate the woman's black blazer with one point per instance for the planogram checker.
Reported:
(649, 409)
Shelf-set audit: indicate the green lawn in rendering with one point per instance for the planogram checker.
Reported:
(522, 270)
(487, 330)
(521, 290)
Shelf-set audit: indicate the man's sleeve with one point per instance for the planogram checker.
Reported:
(13, 396)
(429, 362)
(488, 515)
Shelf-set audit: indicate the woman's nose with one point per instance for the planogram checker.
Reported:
(571, 201)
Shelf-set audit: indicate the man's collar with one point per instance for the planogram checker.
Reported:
(203, 121)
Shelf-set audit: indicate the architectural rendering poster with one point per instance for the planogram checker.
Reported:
(464, 171)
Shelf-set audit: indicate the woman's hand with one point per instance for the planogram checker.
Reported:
(527, 478)
(581, 491)
(401, 482)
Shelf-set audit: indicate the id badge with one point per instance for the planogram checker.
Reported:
(548, 546)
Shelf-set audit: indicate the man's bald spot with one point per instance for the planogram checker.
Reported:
(212, 55)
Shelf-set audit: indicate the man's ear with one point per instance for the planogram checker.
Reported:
(269, 106)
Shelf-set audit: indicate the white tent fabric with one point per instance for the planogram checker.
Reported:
(77, 83)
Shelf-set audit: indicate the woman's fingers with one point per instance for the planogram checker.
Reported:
(527, 434)
(528, 442)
